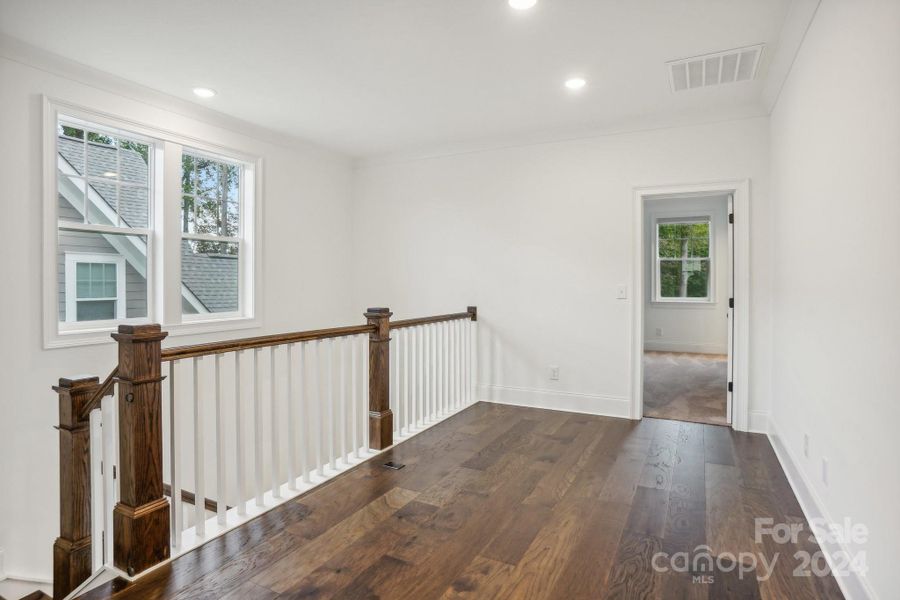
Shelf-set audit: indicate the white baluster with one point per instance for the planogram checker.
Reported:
(109, 407)
(342, 393)
(305, 418)
(394, 364)
(291, 421)
(451, 338)
(316, 408)
(354, 398)
(459, 363)
(220, 446)
(433, 370)
(257, 432)
(407, 376)
(98, 508)
(240, 471)
(420, 362)
(174, 460)
(329, 398)
(199, 483)
(276, 446)
(474, 350)
(364, 370)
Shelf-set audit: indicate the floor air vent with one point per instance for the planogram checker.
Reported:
(713, 69)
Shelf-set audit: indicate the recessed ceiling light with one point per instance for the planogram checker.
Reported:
(522, 4)
(575, 83)
(204, 92)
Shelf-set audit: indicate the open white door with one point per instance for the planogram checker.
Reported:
(730, 377)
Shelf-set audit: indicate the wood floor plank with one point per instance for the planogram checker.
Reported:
(482, 578)
(293, 566)
(510, 502)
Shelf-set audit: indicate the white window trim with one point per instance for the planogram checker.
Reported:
(163, 301)
(693, 217)
(72, 260)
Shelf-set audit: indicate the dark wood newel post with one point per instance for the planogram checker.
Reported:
(72, 549)
(381, 419)
(141, 517)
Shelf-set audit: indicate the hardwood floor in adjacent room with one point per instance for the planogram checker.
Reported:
(510, 502)
(686, 386)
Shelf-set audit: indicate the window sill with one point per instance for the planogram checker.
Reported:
(701, 304)
(103, 335)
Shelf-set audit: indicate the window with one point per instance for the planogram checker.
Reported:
(137, 243)
(683, 260)
(210, 233)
(95, 287)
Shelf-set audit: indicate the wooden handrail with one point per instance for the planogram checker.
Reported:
(104, 390)
(181, 352)
(470, 314)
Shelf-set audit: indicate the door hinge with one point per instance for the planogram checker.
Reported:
(114, 471)
(730, 386)
(731, 303)
(731, 218)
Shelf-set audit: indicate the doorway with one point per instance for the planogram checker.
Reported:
(689, 339)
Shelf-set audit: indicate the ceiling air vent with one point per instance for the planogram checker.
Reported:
(712, 69)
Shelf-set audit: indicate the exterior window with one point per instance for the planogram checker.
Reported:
(95, 287)
(137, 244)
(210, 232)
(103, 210)
(683, 260)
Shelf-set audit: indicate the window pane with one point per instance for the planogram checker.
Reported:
(133, 206)
(670, 278)
(99, 279)
(96, 310)
(101, 156)
(209, 272)
(103, 198)
(684, 279)
(666, 231)
(699, 248)
(670, 248)
(71, 151)
(134, 161)
(211, 196)
(70, 198)
(698, 280)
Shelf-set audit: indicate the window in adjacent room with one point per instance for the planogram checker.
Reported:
(683, 260)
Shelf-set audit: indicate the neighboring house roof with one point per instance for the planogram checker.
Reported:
(210, 278)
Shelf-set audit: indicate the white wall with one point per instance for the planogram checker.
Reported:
(305, 247)
(685, 326)
(836, 204)
(539, 237)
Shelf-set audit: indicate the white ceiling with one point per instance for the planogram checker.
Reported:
(378, 77)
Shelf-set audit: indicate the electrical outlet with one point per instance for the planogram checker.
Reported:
(554, 373)
(659, 332)
(806, 445)
(824, 470)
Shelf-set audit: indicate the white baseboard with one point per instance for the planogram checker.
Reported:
(657, 345)
(591, 404)
(855, 585)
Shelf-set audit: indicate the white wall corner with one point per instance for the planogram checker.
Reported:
(855, 585)
(799, 18)
(587, 403)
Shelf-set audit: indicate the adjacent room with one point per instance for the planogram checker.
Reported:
(422, 299)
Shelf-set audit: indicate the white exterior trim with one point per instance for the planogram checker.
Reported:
(741, 359)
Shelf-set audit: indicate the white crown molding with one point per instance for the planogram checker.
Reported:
(799, 18)
(21, 52)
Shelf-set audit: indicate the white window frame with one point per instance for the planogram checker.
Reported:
(163, 234)
(73, 259)
(658, 298)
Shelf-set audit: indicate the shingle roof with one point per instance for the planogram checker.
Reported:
(213, 278)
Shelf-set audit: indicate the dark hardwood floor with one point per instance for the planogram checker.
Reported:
(508, 502)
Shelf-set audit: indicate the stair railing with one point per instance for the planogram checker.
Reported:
(178, 445)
